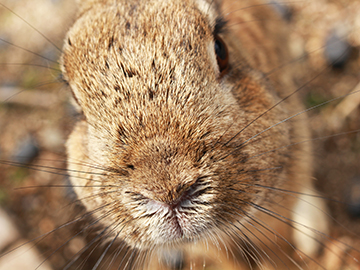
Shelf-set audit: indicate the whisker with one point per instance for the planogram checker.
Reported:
(26, 50)
(79, 200)
(275, 233)
(31, 65)
(295, 193)
(64, 186)
(99, 236)
(302, 112)
(286, 119)
(48, 169)
(307, 141)
(267, 228)
(249, 246)
(227, 13)
(84, 164)
(32, 27)
(281, 66)
(41, 237)
(109, 245)
(289, 222)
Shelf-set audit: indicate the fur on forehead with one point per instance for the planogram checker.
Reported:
(205, 6)
(149, 47)
(99, 21)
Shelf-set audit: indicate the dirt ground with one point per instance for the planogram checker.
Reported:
(36, 118)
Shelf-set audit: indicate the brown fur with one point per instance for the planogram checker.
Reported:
(161, 121)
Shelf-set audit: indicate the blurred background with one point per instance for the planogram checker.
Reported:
(36, 118)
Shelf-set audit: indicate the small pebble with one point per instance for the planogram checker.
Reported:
(26, 151)
(51, 138)
(282, 9)
(8, 232)
(337, 50)
(4, 45)
(353, 198)
(173, 259)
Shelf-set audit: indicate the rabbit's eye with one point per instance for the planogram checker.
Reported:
(222, 55)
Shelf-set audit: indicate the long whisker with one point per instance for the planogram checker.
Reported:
(31, 65)
(41, 237)
(290, 223)
(110, 244)
(286, 119)
(26, 50)
(249, 246)
(299, 113)
(32, 27)
(277, 234)
(100, 235)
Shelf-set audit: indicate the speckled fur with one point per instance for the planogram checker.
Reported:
(161, 121)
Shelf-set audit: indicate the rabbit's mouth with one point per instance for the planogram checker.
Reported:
(179, 221)
(175, 219)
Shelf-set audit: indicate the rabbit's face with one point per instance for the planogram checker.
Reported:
(166, 113)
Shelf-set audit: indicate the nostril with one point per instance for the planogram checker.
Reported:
(188, 186)
(171, 196)
(180, 188)
(130, 166)
(136, 196)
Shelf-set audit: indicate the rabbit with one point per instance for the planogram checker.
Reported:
(186, 131)
(193, 148)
